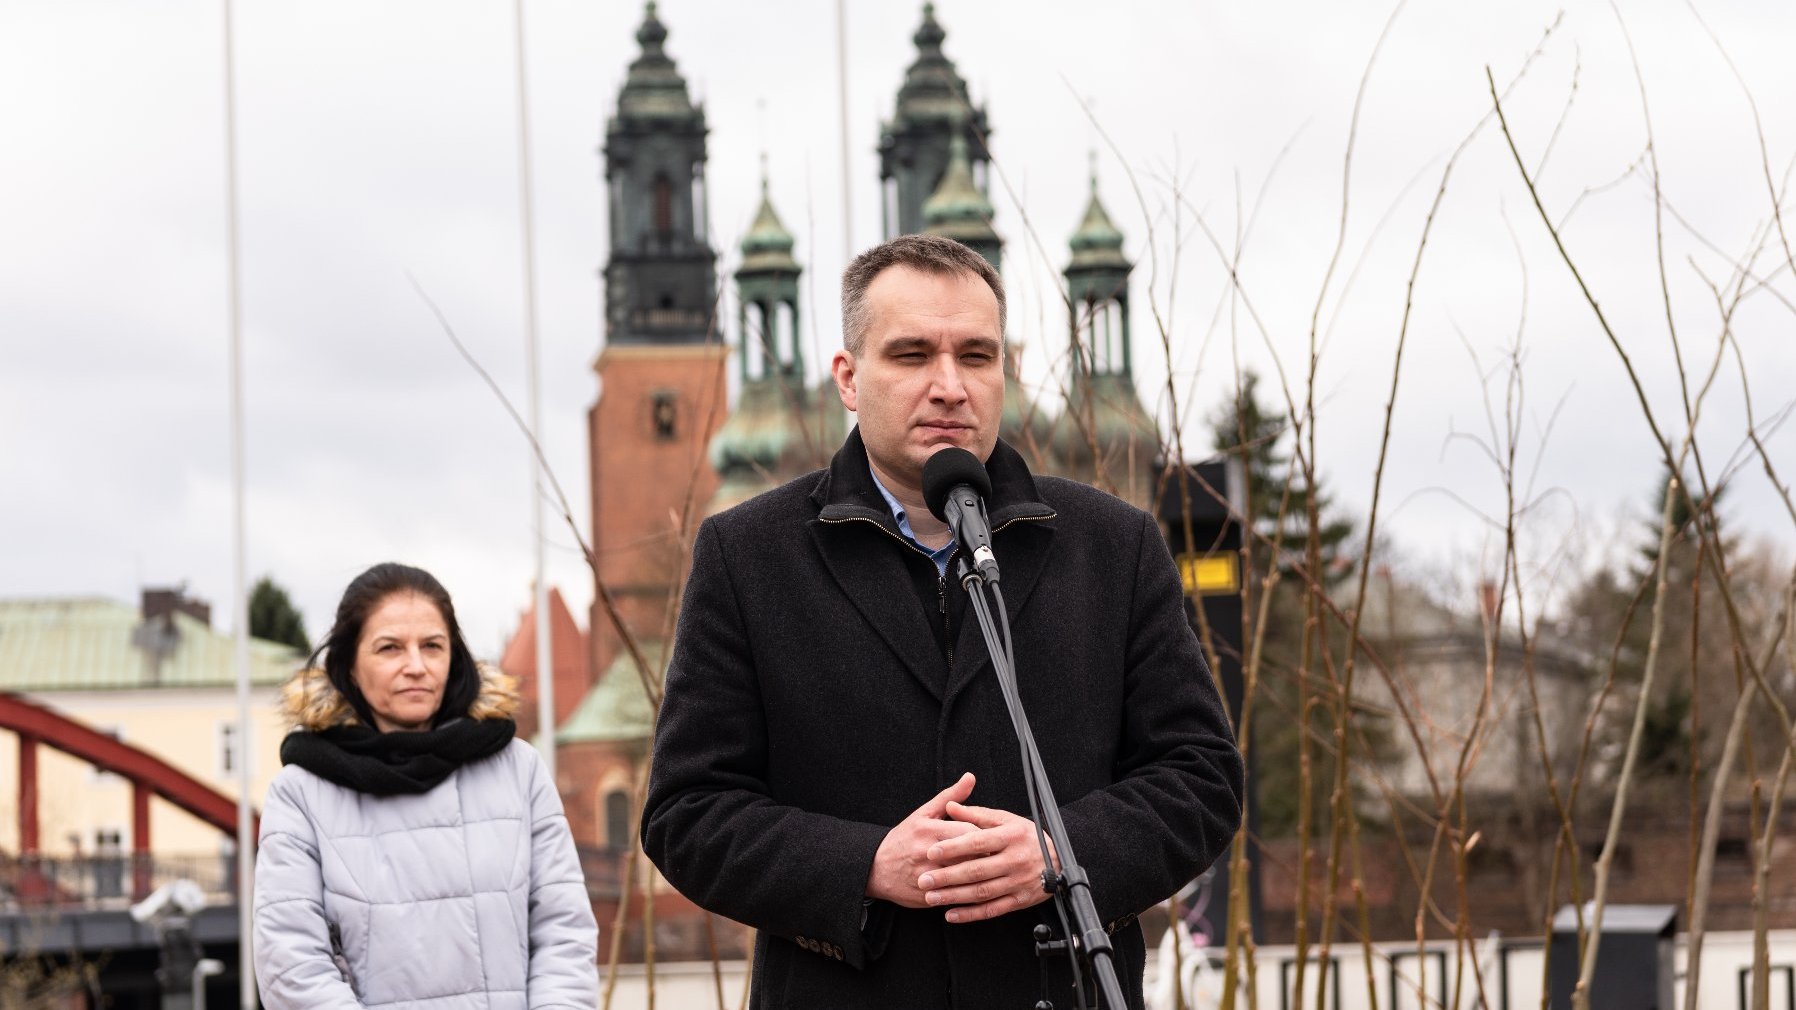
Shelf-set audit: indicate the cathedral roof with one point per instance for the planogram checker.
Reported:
(1104, 412)
(1022, 423)
(777, 431)
(616, 708)
(654, 89)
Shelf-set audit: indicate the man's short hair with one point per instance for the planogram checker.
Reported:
(930, 254)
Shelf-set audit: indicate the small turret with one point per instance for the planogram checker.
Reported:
(1105, 436)
(958, 210)
(780, 428)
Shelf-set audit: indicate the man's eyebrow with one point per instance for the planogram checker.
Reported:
(903, 345)
(900, 345)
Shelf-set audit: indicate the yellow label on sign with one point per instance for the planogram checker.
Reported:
(1210, 574)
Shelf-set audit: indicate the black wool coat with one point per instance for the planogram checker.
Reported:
(809, 709)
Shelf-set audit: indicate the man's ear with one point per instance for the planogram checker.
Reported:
(841, 367)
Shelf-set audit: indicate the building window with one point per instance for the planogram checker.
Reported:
(230, 749)
(665, 414)
(617, 820)
(700, 213)
(663, 207)
(109, 862)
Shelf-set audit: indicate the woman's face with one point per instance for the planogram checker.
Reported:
(402, 662)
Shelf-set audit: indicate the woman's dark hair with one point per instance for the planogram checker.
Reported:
(369, 590)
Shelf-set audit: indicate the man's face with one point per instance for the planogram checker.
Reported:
(930, 373)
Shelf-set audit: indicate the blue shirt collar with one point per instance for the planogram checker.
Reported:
(941, 556)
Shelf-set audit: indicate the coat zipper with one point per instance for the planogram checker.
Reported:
(941, 596)
(340, 958)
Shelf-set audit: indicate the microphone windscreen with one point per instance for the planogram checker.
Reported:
(947, 469)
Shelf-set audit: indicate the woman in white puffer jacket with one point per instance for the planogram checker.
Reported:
(413, 854)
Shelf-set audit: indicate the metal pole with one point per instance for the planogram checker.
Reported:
(545, 676)
(205, 969)
(239, 594)
(842, 111)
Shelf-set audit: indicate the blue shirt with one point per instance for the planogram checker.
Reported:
(940, 557)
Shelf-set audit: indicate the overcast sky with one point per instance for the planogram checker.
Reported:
(379, 139)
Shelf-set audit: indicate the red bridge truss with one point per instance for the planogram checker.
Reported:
(148, 774)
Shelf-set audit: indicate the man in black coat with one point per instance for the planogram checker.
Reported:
(834, 764)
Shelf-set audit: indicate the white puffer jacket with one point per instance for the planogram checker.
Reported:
(467, 897)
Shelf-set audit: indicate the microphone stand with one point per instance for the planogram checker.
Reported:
(1087, 941)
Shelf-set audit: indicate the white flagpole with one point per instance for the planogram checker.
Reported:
(842, 113)
(246, 975)
(545, 676)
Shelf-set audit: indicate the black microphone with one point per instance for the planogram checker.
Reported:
(955, 486)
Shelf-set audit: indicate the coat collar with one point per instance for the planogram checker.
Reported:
(846, 490)
(849, 503)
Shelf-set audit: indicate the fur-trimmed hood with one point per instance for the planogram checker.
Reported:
(312, 703)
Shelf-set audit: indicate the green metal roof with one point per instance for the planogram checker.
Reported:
(778, 430)
(94, 644)
(767, 247)
(771, 421)
(1098, 242)
(1116, 417)
(932, 91)
(616, 708)
(654, 89)
(957, 209)
(1022, 422)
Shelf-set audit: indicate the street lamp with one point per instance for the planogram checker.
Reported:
(169, 910)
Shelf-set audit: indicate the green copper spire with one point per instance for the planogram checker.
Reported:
(1097, 244)
(933, 90)
(654, 88)
(957, 209)
(780, 428)
(1105, 436)
(768, 245)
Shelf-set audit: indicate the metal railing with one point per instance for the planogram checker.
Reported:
(108, 880)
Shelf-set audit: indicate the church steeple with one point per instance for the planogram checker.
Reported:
(914, 146)
(1105, 437)
(767, 289)
(660, 284)
(780, 428)
(1097, 285)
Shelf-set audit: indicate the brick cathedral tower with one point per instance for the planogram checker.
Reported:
(662, 384)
